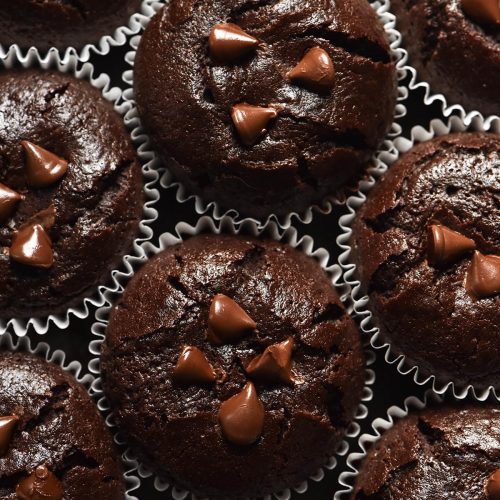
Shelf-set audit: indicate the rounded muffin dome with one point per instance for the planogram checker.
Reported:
(265, 108)
(231, 366)
(427, 249)
(455, 48)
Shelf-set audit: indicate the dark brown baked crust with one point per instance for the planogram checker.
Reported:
(61, 23)
(58, 426)
(318, 142)
(439, 453)
(425, 311)
(454, 54)
(98, 202)
(175, 430)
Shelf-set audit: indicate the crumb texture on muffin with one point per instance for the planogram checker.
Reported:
(255, 412)
(86, 214)
(442, 453)
(439, 201)
(318, 74)
(59, 441)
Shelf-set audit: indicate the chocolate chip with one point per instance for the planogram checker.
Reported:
(274, 364)
(492, 486)
(445, 245)
(32, 247)
(7, 426)
(8, 201)
(43, 167)
(228, 43)
(315, 71)
(41, 483)
(242, 417)
(251, 122)
(193, 368)
(483, 276)
(483, 11)
(227, 321)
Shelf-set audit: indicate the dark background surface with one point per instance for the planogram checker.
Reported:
(390, 388)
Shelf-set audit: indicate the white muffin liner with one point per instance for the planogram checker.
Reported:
(225, 225)
(167, 180)
(407, 70)
(381, 425)
(101, 47)
(150, 177)
(361, 304)
(9, 343)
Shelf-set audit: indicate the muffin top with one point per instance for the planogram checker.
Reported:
(61, 24)
(70, 191)
(52, 438)
(235, 354)
(427, 248)
(265, 107)
(448, 452)
(455, 46)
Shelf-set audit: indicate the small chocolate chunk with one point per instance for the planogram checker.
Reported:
(445, 245)
(8, 201)
(492, 486)
(251, 122)
(43, 167)
(40, 484)
(483, 11)
(32, 246)
(227, 321)
(483, 276)
(228, 43)
(7, 426)
(274, 364)
(315, 71)
(193, 368)
(242, 417)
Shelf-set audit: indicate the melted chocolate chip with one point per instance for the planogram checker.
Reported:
(445, 245)
(228, 43)
(492, 486)
(242, 417)
(193, 368)
(227, 321)
(8, 201)
(32, 247)
(43, 168)
(482, 11)
(483, 276)
(251, 122)
(315, 71)
(40, 484)
(274, 364)
(7, 426)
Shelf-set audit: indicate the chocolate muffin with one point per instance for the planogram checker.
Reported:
(427, 248)
(53, 441)
(265, 107)
(231, 366)
(454, 46)
(70, 191)
(449, 452)
(61, 24)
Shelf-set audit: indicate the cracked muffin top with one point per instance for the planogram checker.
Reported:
(53, 441)
(70, 191)
(231, 366)
(61, 23)
(265, 106)
(441, 453)
(455, 47)
(427, 248)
